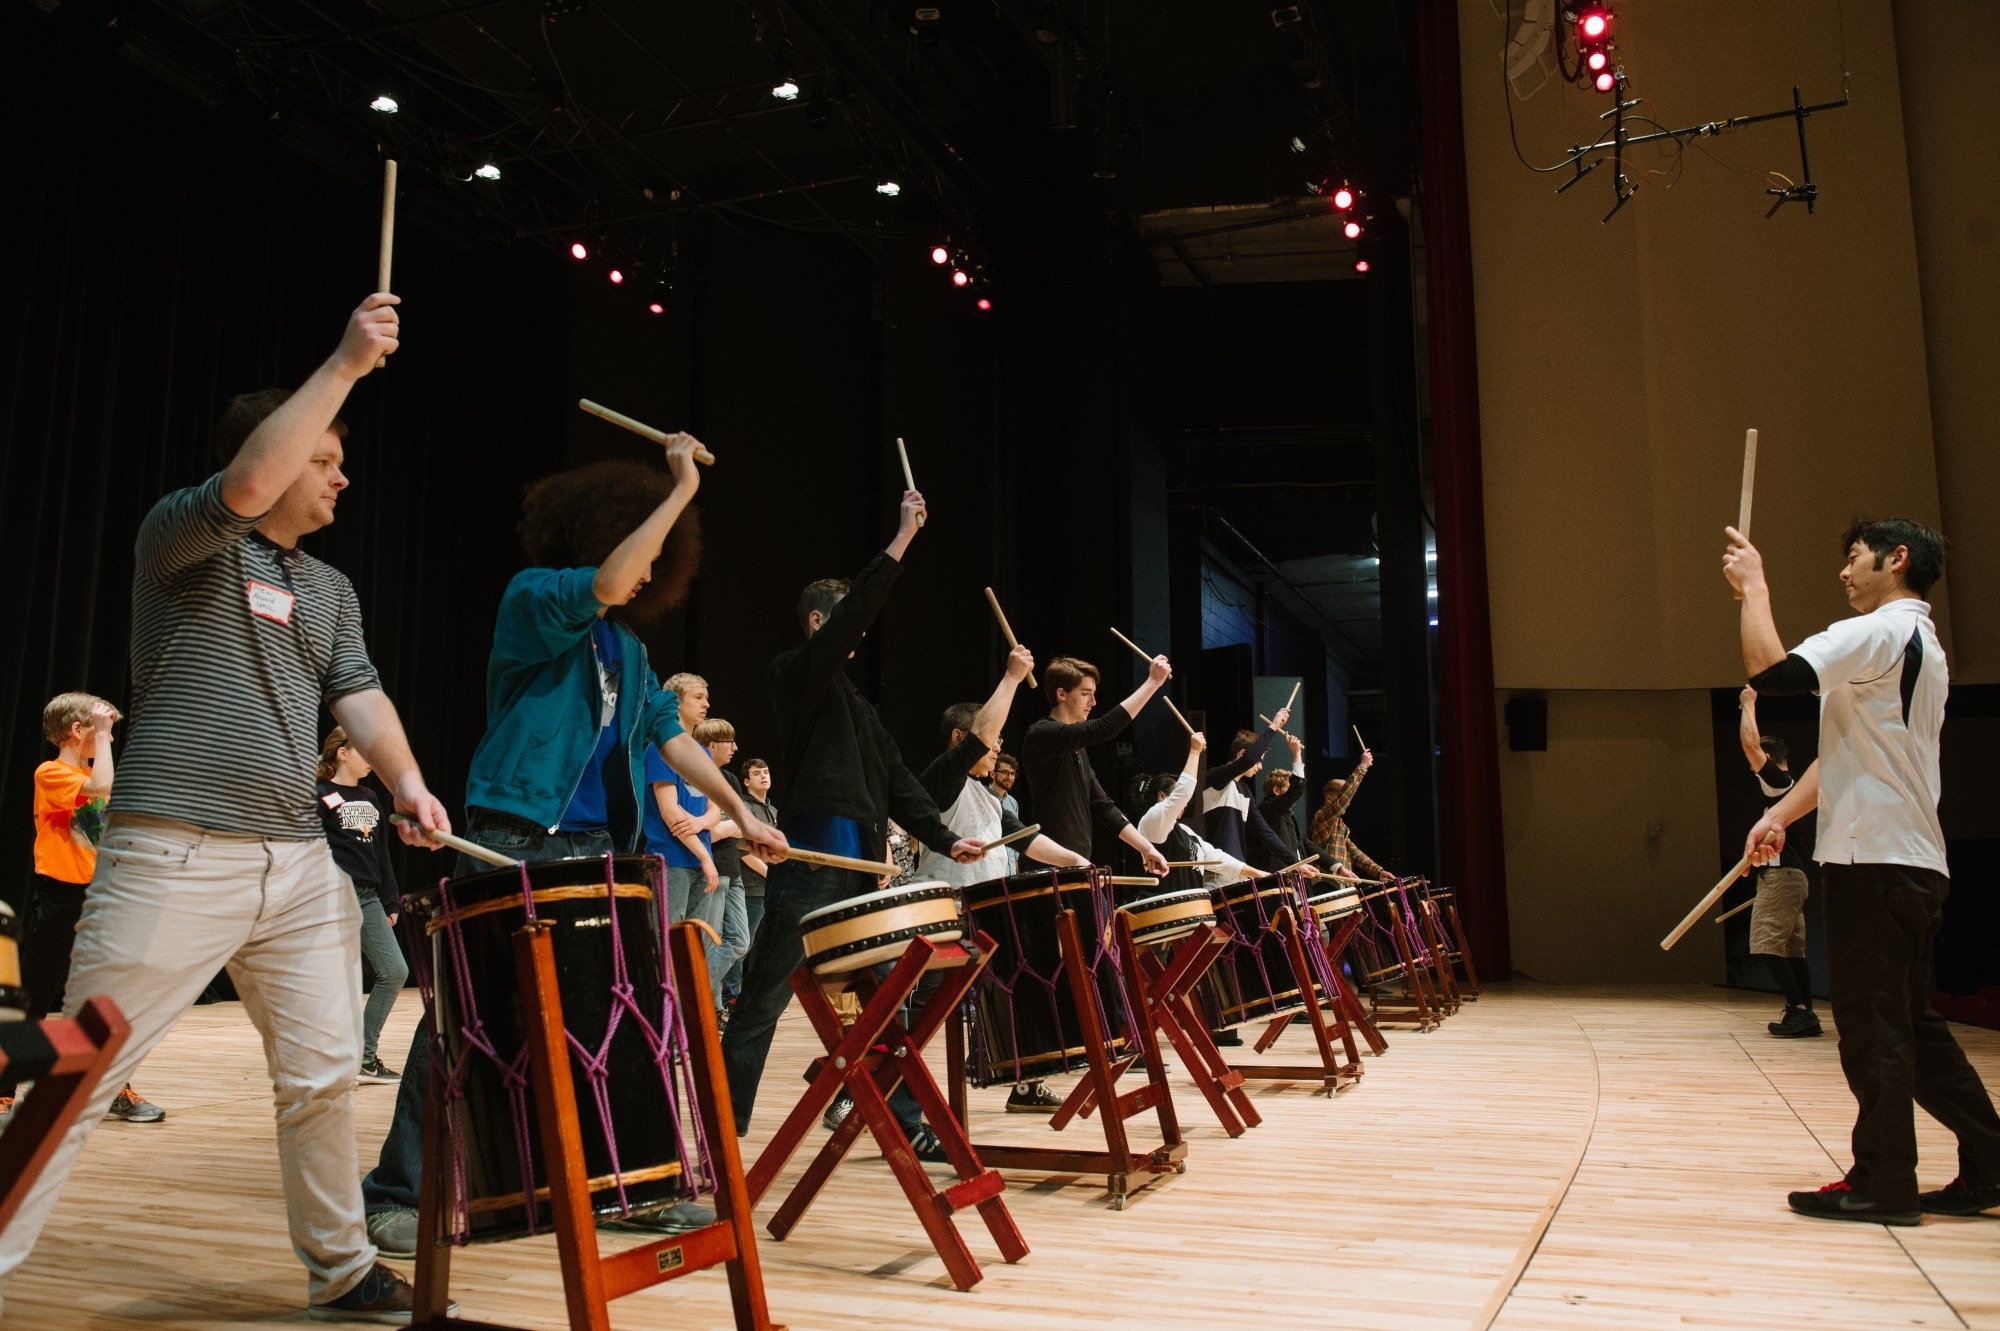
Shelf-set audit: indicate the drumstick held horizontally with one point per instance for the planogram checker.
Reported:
(1736, 910)
(1299, 864)
(909, 481)
(458, 843)
(1134, 880)
(1006, 631)
(640, 428)
(1194, 864)
(1736, 871)
(823, 859)
(1032, 829)
(388, 246)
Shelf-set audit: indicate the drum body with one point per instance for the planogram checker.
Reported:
(1027, 1023)
(1253, 980)
(1170, 915)
(857, 933)
(1332, 907)
(625, 1110)
(13, 998)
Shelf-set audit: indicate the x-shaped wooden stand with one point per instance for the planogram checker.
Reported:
(1332, 1074)
(65, 1060)
(870, 1058)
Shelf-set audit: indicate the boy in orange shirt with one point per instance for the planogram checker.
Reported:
(71, 791)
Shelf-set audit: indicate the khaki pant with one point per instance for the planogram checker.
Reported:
(170, 906)
(1778, 919)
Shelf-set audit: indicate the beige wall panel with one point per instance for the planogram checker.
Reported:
(1590, 890)
(1948, 50)
(1621, 362)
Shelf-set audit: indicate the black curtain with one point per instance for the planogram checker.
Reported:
(157, 257)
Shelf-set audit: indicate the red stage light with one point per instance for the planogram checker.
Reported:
(616, 276)
(1594, 24)
(984, 304)
(1598, 60)
(578, 250)
(1361, 265)
(940, 255)
(1605, 81)
(1343, 198)
(1351, 230)
(959, 277)
(657, 308)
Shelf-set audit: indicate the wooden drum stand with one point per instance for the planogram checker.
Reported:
(65, 1060)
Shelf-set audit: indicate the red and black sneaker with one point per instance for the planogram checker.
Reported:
(1838, 1201)
(1960, 1198)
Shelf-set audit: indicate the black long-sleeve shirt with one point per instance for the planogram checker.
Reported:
(1061, 781)
(357, 832)
(1226, 822)
(1276, 813)
(839, 760)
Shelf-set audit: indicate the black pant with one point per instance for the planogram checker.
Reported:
(46, 941)
(1897, 1052)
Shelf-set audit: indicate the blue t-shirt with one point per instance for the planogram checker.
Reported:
(658, 839)
(825, 832)
(587, 811)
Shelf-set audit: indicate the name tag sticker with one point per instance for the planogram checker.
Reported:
(272, 603)
(333, 799)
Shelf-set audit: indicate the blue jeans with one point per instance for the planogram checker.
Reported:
(753, 915)
(735, 935)
(399, 1172)
(791, 891)
(385, 958)
(688, 898)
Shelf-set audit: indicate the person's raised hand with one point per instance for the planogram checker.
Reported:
(913, 513)
(967, 850)
(414, 800)
(1742, 565)
(1297, 745)
(1159, 670)
(1367, 757)
(1746, 699)
(372, 332)
(1283, 717)
(1198, 742)
(681, 448)
(1020, 664)
(1155, 862)
(102, 717)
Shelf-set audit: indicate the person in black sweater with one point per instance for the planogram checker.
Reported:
(844, 779)
(1228, 797)
(355, 819)
(1061, 781)
(1282, 789)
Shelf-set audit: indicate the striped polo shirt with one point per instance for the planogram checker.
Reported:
(237, 644)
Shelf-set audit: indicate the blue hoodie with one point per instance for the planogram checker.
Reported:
(542, 700)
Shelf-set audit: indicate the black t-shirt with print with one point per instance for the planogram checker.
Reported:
(358, 831)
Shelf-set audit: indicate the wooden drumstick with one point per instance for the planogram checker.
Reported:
(1736, 871)
(1007, 632)
(640, 428)
(1194, 864)
(1299, 864)
(1140, 651)
(909, 481)
(1296, 686)
(1134, 880)
(1736, 910)
(1177, 713)
(1357, 736)
(1032, 829)
(1749, 487)
(875, 867)
(388, 246)
(458, 843)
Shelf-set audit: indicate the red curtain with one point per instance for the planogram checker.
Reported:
(1474, 862)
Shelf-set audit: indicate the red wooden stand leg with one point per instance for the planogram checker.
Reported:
(1464, 953)
(66, 1059)
(1345, 999)
(1164, 995)
(1332, 1073)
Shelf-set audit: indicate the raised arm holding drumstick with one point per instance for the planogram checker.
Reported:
(1067, 794)
(1229, 797)
(1881, 679)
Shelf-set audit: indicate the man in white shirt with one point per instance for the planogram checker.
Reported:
(1881, 679)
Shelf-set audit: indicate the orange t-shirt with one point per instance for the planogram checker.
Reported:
(67, 823)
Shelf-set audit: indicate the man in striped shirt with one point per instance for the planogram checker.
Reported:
(215, 855)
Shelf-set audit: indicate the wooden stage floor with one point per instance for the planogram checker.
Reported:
(1405, 1202)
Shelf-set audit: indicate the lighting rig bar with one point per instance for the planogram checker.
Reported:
(1805, 192)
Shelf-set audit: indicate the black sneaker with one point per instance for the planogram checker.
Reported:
(382, 1297)
(1801, 1023)
(685, 1218)
(374, 1069)
(1231, 1036)
(1033, 1097)
(1960, 1198)
(1837, 1201)
(837, 1112)
(927, 1146)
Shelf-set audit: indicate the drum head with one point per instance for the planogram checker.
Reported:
(877, 926)
(1169, 915)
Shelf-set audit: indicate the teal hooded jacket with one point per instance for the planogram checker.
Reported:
(542, 700)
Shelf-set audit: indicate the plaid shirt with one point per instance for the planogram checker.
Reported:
(1330, 834)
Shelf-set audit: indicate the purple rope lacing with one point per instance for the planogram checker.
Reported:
(1242, 940)
(666, 1040)
(1314, 939)
(985, 1062)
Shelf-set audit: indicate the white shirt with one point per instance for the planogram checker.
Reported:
(975, 813)
(1157, 824)
(1882, 686)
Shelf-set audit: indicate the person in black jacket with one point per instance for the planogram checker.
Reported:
(355, 833)
(1282, 789)
(844, 779)
(1228, 807)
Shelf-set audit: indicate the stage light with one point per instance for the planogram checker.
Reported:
(1361, 265)
(1597, 60)
(1352, 231)
(1343, 198)
(959, 277)
(983, 304)
(617, 276)
(1605, 82)
(1593, 40)
(888, 189)
(940, 255)
(1594, 24)
(578, 250)
(785, 89)
(487, 171)
(657, 308)
(385, 104)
